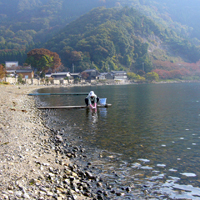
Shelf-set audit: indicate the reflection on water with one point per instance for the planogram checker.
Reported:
(103, 112)
(92, 116)
(150, 136)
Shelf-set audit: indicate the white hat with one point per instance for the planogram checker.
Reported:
(92, 94)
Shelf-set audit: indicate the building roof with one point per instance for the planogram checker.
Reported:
(10, 70)
(118, 72)
(24, 70)
(103, 74)
(75, 74)
(90, 70)
(60, 74)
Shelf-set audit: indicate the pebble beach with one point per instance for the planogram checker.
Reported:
(33, 161)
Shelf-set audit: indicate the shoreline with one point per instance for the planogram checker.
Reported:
(37, 162)
(33, 164)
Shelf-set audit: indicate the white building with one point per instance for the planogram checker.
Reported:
(119, 75)
(60, 75)
(10, 64)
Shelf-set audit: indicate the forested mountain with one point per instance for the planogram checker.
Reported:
(169, 34)
(181, 16)
(119, 38)
(105, 39)
(25, 24)
(184, 12)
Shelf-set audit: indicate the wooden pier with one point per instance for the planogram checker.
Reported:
(43, 94)
(72, 107)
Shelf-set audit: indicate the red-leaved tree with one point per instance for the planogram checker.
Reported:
(43, 59)
(2, 71)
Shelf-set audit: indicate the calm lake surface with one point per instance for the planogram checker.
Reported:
(149, 137)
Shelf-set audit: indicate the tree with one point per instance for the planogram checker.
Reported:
(152, 76)
(43, 59)
(163, 74)
(140, 79)
(75, 56)
(141, 72)
(2, 71)
(84, 75)
(131, 75)
(20, 80)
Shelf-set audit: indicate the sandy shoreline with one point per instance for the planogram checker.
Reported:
(29, 162)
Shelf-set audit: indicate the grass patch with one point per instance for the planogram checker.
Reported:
(4, 83)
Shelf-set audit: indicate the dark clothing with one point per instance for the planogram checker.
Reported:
(89, 100)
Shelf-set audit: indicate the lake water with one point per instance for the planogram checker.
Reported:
(149, 139)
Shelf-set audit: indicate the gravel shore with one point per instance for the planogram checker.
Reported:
(32, 162)
(37, 162)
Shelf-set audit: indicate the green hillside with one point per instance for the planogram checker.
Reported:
(103, 38)
(26, 24)
(38, 20)
(182, 16)
(119, 39)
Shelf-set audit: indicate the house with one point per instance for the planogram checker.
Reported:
(119, 75)
(105, 76)
(48, 75)
(11, 64)
(102, 76)
(93, 73)
(75, 75)
(10, 72)
(109, 76)
(113, 75)
(11, 67)
(26, 73)
(60, 75)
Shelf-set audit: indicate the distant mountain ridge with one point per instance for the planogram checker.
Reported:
(181, 16)
(42, 18)
(120, 39)
(26, 24)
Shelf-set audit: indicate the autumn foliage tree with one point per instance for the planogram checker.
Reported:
(2, 71)
(172, 74)
(170, 70)
(43, 59)
(84, 75)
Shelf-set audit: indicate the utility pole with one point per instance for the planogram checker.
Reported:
(143, 66)
(73, 67)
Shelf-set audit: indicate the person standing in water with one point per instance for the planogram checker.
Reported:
(92, 100)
